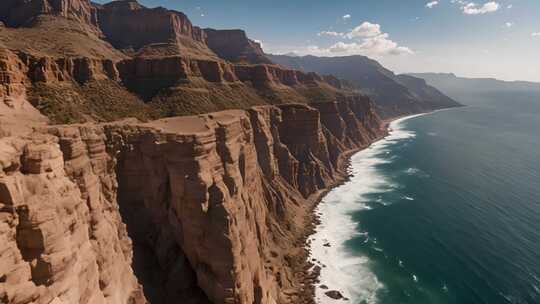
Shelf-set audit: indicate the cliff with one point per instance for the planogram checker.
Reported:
(17, 13)
(160, 208)
(129, 26)
(78, 89)
(235, 46)
(199, 209)
(133, 61)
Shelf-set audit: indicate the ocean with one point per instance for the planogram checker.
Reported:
(446, 209)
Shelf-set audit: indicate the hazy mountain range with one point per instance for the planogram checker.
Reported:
(393, 94)
(472, 90)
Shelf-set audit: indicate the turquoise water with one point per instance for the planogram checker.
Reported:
(446, 210)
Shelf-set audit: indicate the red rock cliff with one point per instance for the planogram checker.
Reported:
(16, 13)
(235, 46)
(215, 206)
(127, 24)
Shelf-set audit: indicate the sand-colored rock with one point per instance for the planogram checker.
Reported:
(17, 115)
(215, 207)
(17, 13)
(62, 238)
(235, 46)
(127, 24)
(81, 70)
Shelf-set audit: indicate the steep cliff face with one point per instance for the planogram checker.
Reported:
(17, 13)
(63, 240)
(80, 70)
(129, 25)
(158, 65)
(74, 89)
(215, 205)
(235, 46)
(17, 115)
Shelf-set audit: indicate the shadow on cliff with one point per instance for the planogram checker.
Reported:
(159, 264)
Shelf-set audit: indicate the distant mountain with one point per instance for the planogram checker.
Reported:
(474, 90)
(424, 92)
(394, 95)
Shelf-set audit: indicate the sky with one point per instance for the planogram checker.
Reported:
(499, 39)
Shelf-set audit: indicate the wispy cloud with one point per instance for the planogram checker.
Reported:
(346, 17)
(509, 24)
(432, 4)
(472, 8)
(537, 34)
(330, 33)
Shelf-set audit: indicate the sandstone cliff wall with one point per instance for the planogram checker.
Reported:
(201, 209)
(127, 24)
(145, 76)
(235, 46)
(17, 13)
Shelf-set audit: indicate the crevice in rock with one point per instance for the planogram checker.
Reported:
(159, 263)
(31, 246)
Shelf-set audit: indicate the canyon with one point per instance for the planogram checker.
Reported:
(194, 209)
(146, 160)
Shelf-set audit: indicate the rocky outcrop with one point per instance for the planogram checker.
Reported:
(16, 13)
(12, 78)
(63, 240)
(81, 70)
(215, 205)
(17, 115)
(162, 65)
(147, 76)
(127, 24)
(18, 70)
(235, 46)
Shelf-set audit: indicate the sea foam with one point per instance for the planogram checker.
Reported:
(341, 269)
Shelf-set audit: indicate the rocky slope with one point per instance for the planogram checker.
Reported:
(197, 209)
(394, 95)
(86, 62)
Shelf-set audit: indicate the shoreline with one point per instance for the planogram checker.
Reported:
(311, 271)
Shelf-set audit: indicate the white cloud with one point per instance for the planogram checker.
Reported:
(510, 6)
(330, 33)
(537, 34)
(432, 4)
(509, 24)
(364, 30)
(472, 8)
(366, 39)
(346, 17)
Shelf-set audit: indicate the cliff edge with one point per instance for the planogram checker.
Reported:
(196, 209)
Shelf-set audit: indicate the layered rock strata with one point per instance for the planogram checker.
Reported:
(200, 209)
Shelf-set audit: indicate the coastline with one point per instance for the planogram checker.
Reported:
(311, 271)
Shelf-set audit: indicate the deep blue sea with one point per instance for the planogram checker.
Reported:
(444, 210)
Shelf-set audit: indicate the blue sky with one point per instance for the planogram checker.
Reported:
(498, 38)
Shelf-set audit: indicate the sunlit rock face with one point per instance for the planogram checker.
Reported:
(199, 209)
